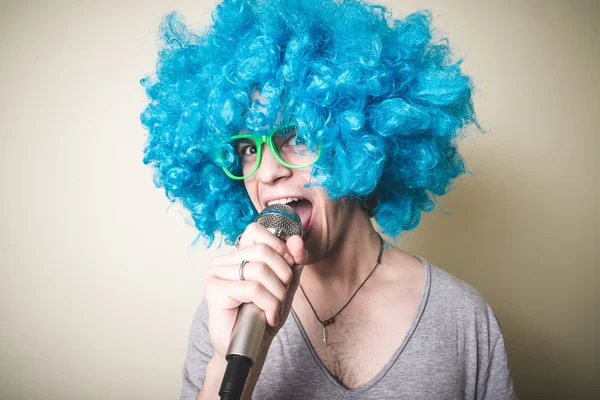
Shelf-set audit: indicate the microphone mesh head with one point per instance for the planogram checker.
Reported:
(282, 220)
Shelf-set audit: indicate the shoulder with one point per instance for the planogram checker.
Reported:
(447, 286)
(453, 299)
(434, 284)
(458, 324)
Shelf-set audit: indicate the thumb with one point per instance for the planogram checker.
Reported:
(295, 245)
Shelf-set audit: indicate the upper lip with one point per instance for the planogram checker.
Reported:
(266, 199)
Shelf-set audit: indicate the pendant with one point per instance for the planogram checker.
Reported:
(325, 331)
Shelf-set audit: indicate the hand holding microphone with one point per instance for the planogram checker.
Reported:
(270, 269)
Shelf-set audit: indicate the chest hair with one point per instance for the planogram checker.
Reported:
(354, 353)
(363, 338)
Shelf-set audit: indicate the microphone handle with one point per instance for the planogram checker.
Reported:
(247, 332)
(243, 349)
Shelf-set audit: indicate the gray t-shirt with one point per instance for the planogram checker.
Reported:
(454, 349)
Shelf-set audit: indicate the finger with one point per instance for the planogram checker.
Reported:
(295, 246)
(256, 233)
(231, 294)
(253, 271)
(259, 253)
(292, 290)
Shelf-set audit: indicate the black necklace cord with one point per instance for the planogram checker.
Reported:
(331, 320)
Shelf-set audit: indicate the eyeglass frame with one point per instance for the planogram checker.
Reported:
(268, 139)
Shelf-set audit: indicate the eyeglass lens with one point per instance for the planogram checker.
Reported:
(289, 147)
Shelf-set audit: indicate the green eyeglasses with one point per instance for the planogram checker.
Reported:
(241, 156)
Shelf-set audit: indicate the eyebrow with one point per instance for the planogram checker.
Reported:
(275, 131)
(243, 141)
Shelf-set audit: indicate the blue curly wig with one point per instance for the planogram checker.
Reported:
(383, 99)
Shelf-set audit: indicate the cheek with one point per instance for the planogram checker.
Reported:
(302, 174)
(328, 209)
(337, 213)
(252, 190)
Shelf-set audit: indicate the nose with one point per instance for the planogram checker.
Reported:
(270, 170)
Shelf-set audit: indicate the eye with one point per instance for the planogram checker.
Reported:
(245, 147)
(300, 141)
(287, 136)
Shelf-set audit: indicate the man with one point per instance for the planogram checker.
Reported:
(345, 114)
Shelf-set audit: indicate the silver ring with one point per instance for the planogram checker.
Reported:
(241, 270)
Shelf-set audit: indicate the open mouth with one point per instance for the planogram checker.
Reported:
(302, 206)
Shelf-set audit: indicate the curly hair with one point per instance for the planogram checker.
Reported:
(384, 100)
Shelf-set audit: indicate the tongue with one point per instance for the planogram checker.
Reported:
(304, 210)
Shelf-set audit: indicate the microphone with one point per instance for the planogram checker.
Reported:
(284, 222)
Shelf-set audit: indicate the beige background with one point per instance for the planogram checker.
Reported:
(99, 283)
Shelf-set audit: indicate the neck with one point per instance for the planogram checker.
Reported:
(351, 255)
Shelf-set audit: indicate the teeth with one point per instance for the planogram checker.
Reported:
(285, 200)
